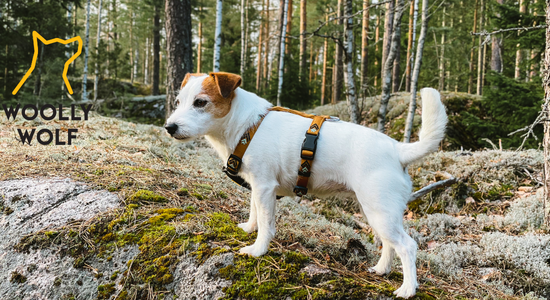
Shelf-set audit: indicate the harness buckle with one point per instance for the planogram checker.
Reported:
(300, 191)
(309, 146)
(233, 164)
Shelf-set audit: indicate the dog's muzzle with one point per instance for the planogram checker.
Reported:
(171, 128)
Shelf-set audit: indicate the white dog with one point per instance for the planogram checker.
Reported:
(350, 159)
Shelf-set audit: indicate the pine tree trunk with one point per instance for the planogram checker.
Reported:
(260, 44)
(156, 51)
(325, 55)
(519, 51)
(388, 27)
(546, 109)
(38, 80)
(338, 68)
(98, 39)
(86, 53)
(282, 52)
(179, 52)
(132, 66)
(266, 41)
(288, 27)
(349, 76)
(471, 66)
(480, 53)
(146, 69)
(312, 61)
(218, 36)
(534, 52)
(303, 28)
(364, 47)
(199, 46)
(416, 71)
(388, 64)
(410, 45)
(442, 57)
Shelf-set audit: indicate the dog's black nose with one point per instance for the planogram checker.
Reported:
(171, 128)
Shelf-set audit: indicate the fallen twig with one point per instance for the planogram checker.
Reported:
(423, 191)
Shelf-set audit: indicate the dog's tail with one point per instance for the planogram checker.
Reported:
(434, 120)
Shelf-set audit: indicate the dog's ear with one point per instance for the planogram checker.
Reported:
(226, 82)
(188, 76)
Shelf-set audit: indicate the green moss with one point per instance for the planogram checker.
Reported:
(17, 277)
(57, 281)
(222, 195)
(198, 196)
(105, 291)
(183, 192)
(145, 195)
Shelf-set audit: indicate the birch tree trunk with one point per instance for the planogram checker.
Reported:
(416, 71)
(324, 79)
(442, 57)
(480, 53)
(98, 39)
(337, 68)
(388, 64)
(519, 51)
(243, 36)
(218, 36)
(86, 53)
(136, 62)
(303, 28)
(471, 66)
(199, 46)
(156, 51)
(282, 53)
(179, 51)
(496, 50)
(546, 110)
(410, 45)
(388, 27)
(349, 76)
(364, 47)
(376, 49)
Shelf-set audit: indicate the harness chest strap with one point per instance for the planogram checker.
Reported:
(309, 147)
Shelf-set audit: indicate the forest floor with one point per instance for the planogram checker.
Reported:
(480, 238)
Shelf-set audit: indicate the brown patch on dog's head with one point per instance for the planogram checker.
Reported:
(220, 88)
(188, 76)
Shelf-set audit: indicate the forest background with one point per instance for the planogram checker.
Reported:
(145, 47)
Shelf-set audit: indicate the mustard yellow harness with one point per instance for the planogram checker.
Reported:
(309, 146)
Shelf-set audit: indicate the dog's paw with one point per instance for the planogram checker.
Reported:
(252, 250)
(248, 227)
(405, 291)
(378, 270)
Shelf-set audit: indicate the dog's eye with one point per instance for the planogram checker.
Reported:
(199, 103)
(177, 102)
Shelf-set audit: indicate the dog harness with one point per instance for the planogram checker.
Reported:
(309, 147)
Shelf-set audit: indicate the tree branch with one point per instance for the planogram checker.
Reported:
(488, 35)
(423, 191)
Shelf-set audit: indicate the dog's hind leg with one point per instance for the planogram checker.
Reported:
(384, 212)
(383, 266)
(264, 200)
(252, 223)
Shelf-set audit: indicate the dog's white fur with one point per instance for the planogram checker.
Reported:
(350, 158)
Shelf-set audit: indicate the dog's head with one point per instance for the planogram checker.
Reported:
(201, 102)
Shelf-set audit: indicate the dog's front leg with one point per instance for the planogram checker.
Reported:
(252, 223)
(264, 200)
